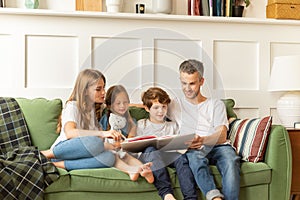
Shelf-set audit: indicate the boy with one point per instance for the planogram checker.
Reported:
(156, 103)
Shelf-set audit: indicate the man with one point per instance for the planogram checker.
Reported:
(206, 117)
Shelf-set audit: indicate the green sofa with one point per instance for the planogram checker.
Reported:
(270, 179)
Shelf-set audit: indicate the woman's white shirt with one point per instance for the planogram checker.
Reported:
(71, 114)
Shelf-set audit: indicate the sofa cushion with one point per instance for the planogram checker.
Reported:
(250, 137)
(107, 180)
(41, 116)
(63, 184)
(229, 104)
(140, 113)
(251, 174)
(103, 180)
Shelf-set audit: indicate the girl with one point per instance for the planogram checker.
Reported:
(80, 143)
(117, 102)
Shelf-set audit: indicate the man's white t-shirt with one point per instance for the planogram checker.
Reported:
(146, 127)
(71, 114)
(202, 118)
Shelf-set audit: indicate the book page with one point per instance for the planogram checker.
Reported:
(175, 142)
(138, 145)
(165, 143)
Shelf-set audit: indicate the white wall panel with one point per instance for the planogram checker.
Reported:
(237, 63)
(284, 49)
(121, 59)
(7, 67)
(248, 113)
(169, 54)
(51, 61)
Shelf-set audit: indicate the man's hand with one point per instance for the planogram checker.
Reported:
(197, 142)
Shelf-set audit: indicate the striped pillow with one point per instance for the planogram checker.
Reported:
(250, 137)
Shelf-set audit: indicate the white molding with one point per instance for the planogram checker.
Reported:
(153, 47)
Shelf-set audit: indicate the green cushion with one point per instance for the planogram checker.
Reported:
(103, 180)
(62, 184)
(41, 116)
(107, 179)
(140, 113)
(229, 103)
(251, 174)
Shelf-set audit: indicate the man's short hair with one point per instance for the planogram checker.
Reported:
(191, 66)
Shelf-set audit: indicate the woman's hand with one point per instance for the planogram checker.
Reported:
(197, 142)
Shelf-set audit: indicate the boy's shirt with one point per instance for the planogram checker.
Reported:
(146, 127)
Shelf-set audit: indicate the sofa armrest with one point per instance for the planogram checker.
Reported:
(279, 157)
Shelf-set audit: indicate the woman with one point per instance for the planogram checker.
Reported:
(80, 144)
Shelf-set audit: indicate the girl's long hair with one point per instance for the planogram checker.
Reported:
(110, 97)
(84, 80)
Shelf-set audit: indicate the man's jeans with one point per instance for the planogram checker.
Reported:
(228, 164)
(83, 153)
(160, 160)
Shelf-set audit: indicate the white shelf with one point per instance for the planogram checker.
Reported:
(134, 16)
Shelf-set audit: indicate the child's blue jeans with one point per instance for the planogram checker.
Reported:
(162, 182)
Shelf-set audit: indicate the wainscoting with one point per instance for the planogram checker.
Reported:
(42, 51)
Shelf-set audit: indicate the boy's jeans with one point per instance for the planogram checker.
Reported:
(161, 160)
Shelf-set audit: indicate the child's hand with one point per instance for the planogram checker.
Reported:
(116, 135)
(109, 146)
(117, 144)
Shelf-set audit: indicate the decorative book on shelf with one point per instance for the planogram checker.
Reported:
(89, 5)
(219, 8)
(166, 143)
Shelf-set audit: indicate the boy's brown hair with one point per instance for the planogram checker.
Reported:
(155, 93)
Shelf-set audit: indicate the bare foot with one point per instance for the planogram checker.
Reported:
(147, 173)
(134, 176)
(48, 153)
(169, 197)
(59, 164)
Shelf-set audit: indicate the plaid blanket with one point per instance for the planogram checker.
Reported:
(24, 171)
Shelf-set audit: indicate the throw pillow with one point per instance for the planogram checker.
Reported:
(250, 137)
(42, 116)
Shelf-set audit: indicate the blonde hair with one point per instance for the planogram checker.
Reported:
(86, 78)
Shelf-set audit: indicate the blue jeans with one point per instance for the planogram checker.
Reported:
(83, 153)
(228, 164)
(162, 182)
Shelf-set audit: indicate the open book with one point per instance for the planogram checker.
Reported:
(166, 143)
